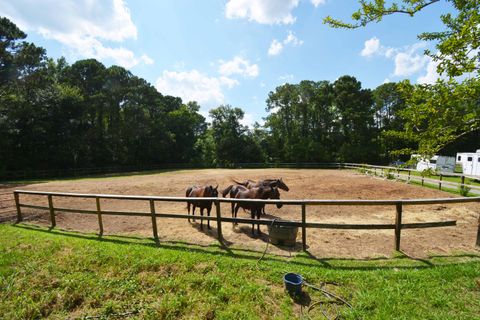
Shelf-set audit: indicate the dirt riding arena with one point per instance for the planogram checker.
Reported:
(303, 184)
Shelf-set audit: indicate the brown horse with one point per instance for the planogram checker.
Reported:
(233, 190)
(256, 208)
(201, 192)
(267, 182)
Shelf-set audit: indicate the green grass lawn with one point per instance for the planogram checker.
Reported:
(56, 274)
(473, 182)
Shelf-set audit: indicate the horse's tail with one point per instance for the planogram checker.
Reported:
(227, 190)
(187, 194)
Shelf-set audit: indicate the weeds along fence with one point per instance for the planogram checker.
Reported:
(302, 222)
(409, 175)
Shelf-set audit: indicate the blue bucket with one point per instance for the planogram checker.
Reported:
(293, 283)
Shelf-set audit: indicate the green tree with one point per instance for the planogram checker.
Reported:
(355, 115)
(186, 126)
(436, 115)
(228, 132)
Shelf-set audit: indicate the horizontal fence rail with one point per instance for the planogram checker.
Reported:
(303, 224)
(398, 174)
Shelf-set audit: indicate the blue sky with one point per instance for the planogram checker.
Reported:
(230, 51)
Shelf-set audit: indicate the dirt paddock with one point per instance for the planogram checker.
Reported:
(303, 184)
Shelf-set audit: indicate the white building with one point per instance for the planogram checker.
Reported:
(470, 162)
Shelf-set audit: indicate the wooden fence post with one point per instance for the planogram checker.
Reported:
(409, 173)
(99, 213)
(398, 226)
(440, 182)
(154, 220)
(219, 222)
(17, 204)
(304, 228)
(52, 211)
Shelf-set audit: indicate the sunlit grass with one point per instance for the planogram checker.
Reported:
(55, 274)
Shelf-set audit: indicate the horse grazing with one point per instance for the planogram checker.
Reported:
(201, 192)
(264, 183)
(256, 208)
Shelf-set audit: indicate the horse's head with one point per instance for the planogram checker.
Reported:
(282, 185)
(213, 191)
(275, 194)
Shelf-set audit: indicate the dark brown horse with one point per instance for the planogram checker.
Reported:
(256, 208)
(233, 190)
(278, 183)
(201, 192)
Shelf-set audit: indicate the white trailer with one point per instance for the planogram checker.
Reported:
(470, 162)
(436, 163)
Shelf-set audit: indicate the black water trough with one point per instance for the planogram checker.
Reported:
(282, 235)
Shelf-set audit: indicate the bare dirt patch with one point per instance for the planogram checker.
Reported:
(303, 184)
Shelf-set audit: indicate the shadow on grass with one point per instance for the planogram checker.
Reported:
(400, 261)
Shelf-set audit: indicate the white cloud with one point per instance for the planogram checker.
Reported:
(371, 47)
(316, 3)
(194, 86)
(431, 76)
(408, 63)
(286, 78)
(146, 59)
(408, 60)
(292, 39)
(276, 46)
(80, 26)
(262, 11)
(248, 120)
(240, 66)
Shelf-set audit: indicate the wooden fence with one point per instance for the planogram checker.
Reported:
(398, 226)
(406, 175)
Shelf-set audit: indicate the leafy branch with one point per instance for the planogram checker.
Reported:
(374, 11)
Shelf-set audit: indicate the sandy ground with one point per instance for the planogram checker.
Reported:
(303, 184)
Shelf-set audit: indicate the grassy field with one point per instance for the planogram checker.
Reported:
(56, 274)
(427, 184)
(473, 182)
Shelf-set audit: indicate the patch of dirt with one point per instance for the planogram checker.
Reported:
(303, 184)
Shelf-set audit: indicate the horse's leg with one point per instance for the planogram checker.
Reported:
(201, 218)
(252, 215)
(188, 208)
(208, 214)
(237, 206)
(259, 212)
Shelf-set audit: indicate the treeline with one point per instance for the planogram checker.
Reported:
(58, 116)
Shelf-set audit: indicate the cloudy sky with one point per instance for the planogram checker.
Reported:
(229, 51)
